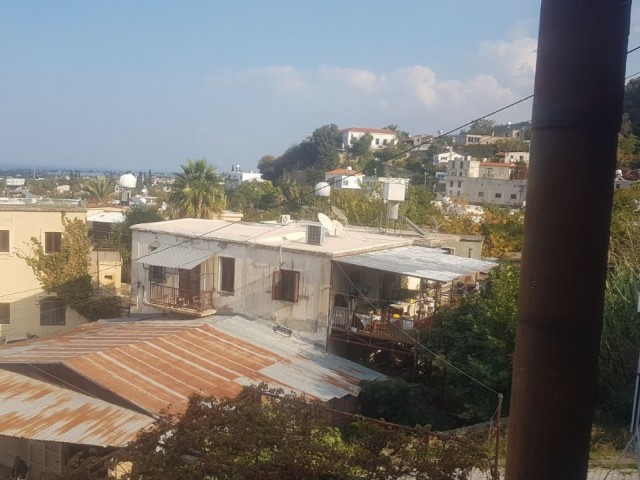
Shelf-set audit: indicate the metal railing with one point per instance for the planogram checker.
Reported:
(180, 298)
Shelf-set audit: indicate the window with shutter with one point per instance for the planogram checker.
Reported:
(4, 241)
(286, 285)
(52, 312)
(52, 241)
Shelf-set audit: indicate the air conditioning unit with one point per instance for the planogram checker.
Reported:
(315, 235)
(285, 219)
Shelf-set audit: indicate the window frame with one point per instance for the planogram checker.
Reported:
(226, 274)
(55, 313)
(286, 285)
(5, 241)
(157, 274)
(52, 242)
(5, 313)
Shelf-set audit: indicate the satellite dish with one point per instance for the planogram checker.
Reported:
(327, 224)
(340, 214)
(338, 228)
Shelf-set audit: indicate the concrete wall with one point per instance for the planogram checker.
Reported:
(39, 456)
(254, 267)
(18, 284)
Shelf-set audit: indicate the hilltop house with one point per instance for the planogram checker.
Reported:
(382, 137)
(297, 275)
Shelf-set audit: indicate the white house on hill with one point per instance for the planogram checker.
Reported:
(382, 137)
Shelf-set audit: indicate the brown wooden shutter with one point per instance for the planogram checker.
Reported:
(275, 285)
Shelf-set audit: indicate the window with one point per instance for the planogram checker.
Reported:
(513, 196)
(227, 274)
(458, 194)
(384, 142)
(459, 184)
(498, 195)
(52, 311)
(377, 141)
(4, 241)
(480, 194)
(156, 274)
(286, 284)
(5, 313)
(451, 184)
(52, 241)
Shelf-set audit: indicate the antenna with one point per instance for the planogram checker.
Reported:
(340, 214)
(327, 224)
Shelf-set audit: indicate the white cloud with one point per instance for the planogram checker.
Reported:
(356, 78)
(511, 61)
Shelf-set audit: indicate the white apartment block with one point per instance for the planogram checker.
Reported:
(446, 157)
(484, 182)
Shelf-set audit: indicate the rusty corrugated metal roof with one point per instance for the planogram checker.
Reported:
(37, 410)
(159, 363)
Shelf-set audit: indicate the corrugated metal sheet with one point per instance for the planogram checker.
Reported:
(421, 262)
(159, 363)
(177, 256)
(40, 411)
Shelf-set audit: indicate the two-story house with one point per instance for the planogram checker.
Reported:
(25, 308)
(294, 274)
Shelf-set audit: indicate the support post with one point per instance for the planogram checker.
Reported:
(577, 111)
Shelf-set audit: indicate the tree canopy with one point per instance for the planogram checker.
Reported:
(196, 191)
(267, 434)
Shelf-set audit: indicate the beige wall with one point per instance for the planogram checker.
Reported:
(18, 285)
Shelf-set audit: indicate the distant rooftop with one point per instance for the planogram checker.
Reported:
(41, 204)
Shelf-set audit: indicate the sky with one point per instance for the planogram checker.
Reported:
(138, 85)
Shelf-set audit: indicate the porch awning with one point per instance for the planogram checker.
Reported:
(176, 256)
(421, 262)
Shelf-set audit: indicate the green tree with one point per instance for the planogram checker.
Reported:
(285, 437)
(197, 192)
(253, 198)
(631, 105)
(361, 148)
(483, 126)
(99, 190)
(66, 272)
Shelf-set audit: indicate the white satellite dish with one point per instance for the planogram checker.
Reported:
(338, 228)
(340, 214)
(327, 224)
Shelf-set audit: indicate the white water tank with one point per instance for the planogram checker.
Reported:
(322, 189)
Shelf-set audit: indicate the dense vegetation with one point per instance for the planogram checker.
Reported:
(267, 434)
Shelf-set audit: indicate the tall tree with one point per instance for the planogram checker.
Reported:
(99, 190)
(197, 191)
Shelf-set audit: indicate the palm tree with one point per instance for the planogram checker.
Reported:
(197, 191)
(99, 189)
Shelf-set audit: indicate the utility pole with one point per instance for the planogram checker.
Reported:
(577, 111)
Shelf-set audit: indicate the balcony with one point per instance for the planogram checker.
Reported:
(372, 329)
(180, 300)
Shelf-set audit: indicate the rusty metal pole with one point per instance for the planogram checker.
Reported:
(577, 111)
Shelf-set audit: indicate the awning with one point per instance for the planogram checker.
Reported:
(421, 262)
(176, 256)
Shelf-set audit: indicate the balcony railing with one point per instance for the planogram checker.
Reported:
(181, 299)
(405, 329)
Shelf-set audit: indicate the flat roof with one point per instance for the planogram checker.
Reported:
(290, 237)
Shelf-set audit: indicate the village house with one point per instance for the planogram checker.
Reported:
(298, 275)
(100, 384)
(485, 182)
(25, 308)
(382, 137)
(344, 178)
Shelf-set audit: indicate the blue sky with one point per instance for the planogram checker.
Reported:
(145, 85)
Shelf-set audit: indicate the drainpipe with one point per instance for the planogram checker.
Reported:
(577, 110)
